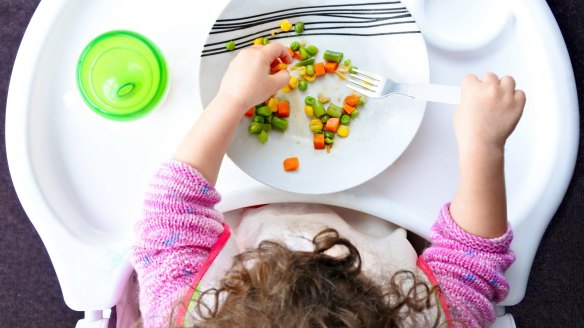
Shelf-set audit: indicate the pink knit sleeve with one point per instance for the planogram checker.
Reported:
(179, 228)
(469, 270)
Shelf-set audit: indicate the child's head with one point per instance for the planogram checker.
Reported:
(272, 285)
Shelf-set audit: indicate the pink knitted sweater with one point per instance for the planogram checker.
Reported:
(181, 233)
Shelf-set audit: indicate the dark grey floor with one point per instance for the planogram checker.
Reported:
(30, 295)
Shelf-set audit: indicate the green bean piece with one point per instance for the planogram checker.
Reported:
(230, 46)
(255, 128)
(309, 100)
(295, 45)
(279, 124)
(310, 70)
(264, 111)
(312, 50)
(265, 40)
(325, 118)
(305, 62)
(303, 85)
(333, 56)
(258, 119)
(318, 109)
(328, 141)
(299, 27)
(345, 119)
(329, 134)
(355, 113)
(263, 136)
(334, 110)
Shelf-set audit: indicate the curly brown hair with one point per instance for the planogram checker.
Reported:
(273, 286)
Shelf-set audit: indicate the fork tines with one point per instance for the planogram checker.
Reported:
(364, 82)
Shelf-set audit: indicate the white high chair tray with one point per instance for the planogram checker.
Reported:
(80, 178)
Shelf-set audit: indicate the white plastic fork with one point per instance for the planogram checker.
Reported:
(377, 86)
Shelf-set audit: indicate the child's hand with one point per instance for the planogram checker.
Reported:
(488, 112)
(248, 81)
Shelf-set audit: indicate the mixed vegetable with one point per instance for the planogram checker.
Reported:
(327, 119)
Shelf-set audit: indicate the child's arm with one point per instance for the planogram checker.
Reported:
(487, 115)
(470, 240)
(181, 231)
(246, 83)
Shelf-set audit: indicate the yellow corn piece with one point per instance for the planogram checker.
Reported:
(310, 78)
(286, 89)
(316, 125)
(273, 33)
(285, 26)
(301, 70)
(293, 82)
(309, 111)
(281, 66)
(343, 131)
(258, 41)
(273, 104)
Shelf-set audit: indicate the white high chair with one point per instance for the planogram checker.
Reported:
(84, 196)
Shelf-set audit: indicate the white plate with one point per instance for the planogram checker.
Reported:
(377, 37)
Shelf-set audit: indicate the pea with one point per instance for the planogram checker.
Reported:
(264, 111)
(361, 102)
(310, 70)
(263, 136)
(303, 85)
(324, 118)
(265, 40)
(355, 113)
(259, 119)
(328, 141)
(329, 134)
(345, 119)
(352, 69)
(255, 128)
(347, 62)
(312, 50)
(309, 100)
(317, 131)
(303, 53)
(230, 46)
(295, 45)
(299, 27)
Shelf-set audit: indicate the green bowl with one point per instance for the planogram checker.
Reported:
(122, 75)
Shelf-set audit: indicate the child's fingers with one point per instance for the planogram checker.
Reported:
(281, 79)
(491, 77)
(507, 83)
(520, 98)
(277, 50)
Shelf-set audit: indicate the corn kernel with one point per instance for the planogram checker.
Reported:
(309, 111)
(286, 26)
(286, 89)
(273, 104)
(310, 78)
(258, 41)
(293, 82)
(301, 70)
(343, 131)
(281, 66)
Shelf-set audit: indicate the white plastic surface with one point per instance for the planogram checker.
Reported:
(80, 178)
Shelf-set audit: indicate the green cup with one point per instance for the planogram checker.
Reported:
(122, 75)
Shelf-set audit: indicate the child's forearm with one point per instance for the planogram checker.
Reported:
(479, 205)
(205, 144)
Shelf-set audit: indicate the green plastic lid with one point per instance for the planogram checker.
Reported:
(122, 75)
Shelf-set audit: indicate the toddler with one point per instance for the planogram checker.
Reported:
(307, 267)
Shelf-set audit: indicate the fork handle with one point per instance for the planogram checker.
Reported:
(435, 92)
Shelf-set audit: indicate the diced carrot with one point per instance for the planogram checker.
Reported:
(297, 55)
(332, 124)
(352, 100)
(319, 141)
(250, 112)
(291, 164)
(283, 109)
(348, 108)
(291, 52)
(331, 67)
(319, 69)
